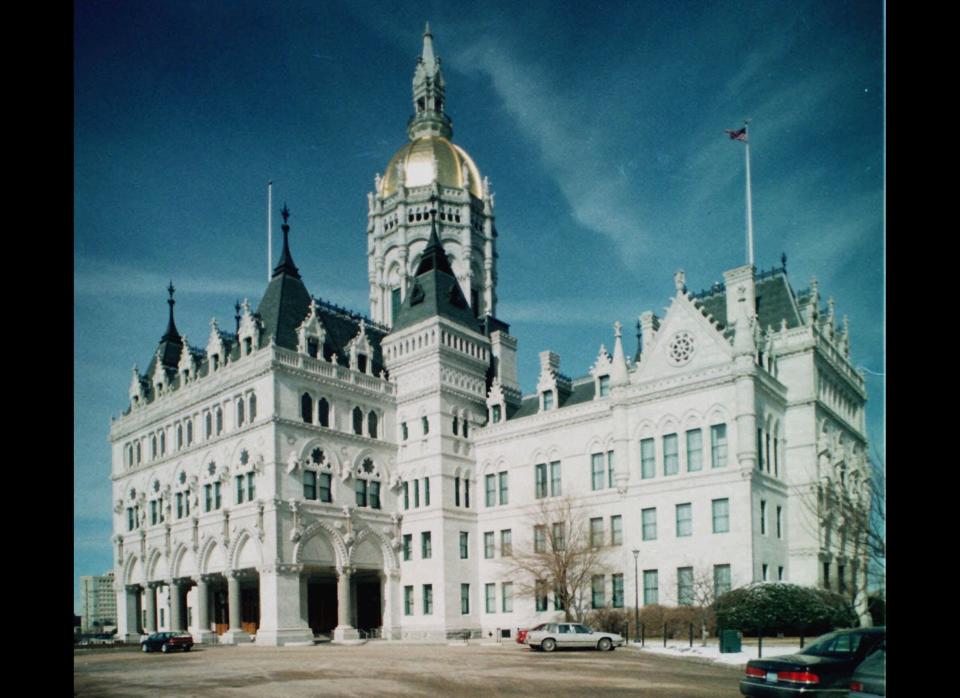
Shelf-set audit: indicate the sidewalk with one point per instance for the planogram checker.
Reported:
(711, 653)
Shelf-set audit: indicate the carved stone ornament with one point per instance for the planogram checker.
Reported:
(292, 462)
(118, 507)
(681, 347)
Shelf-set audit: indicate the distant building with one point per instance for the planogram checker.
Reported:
(314, 471)
(98, 603)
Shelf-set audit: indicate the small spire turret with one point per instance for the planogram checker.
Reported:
(286, 265)
(171, 335)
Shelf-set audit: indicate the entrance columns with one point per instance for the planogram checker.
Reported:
(282, 607)
(176, 593)
(344, 631)
(151, 607)
(128, 612)
(201, 630)
(235, 633)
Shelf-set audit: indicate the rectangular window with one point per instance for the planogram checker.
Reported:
(490, 597)
(488, 545)
(361, 489)
(596, 471)
(694, 450)
(651, 593)
(495, 410)
(456, 491)
(826, 575)
(427, 599)
(153, 512)
(841, 581)
(718, 445)
(407, 545)
(776, 456)
(539, 539)
(491, 490)
(685, 586)
(610, 469)
(671, 457)
(240, 489)
(506, 597)
(555, 479)
(763, 571)
(466, 493)
(779, 522)
(504, 488)
(540, 480)
(760, 449)
(540, 595)
(374, 494)
(763, 517)
(506, 542)
(129, 518)
(426, 491)
(406, 495)
(162, 617)
(416, 494)
(326, 492)
(780, 574)
(558, 603)
(649, 518)
(464, 545)
(426, 545)
(604, 386)
(616, 530)
(648, 459)
(408, 601)
(464, 599)
(596, 532)
(251, 488)
(597, 599)
(309, 484)
(721, 580)
(559, 537)
(179, 505)
(721, 515)
(618, 591)
(547, 400)
(684, 520)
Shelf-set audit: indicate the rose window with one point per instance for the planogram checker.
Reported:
(681, 347)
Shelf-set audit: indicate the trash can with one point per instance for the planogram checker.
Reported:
(730, 641)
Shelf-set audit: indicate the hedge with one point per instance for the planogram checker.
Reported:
(777, 607)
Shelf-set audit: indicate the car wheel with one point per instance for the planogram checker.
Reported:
(164, 648)
(187, 648)
(548, 645)
(604, 645)
(144, 647)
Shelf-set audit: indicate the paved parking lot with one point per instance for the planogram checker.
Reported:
(395, 669)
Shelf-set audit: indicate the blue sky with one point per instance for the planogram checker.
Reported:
(601, 128)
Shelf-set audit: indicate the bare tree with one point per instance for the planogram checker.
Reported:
(702, 596)
(559, 558)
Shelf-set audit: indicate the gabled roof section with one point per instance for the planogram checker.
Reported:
(776, 301)
(583, 390)
(435, 291)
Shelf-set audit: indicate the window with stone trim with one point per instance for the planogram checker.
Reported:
(506, 597)
(597, 595)
(539, 538)
(357, 421)
(407, 546)
(464, 599)
(490, 597)
(684, 586)
(408, 600)
(426, 545)
(617, 584)
(503, 483)
(252, 401)
(616, 530)
(718, 445)
(684, 520)
(721, 580)
(540, 480)
(694, 450)
(721, 515)
(649, 523)
(671, 456)
(596, 532)
(506, 542)
(464, 545)
(427, 599)
(488, 545)
(648, 459)
(651, 583)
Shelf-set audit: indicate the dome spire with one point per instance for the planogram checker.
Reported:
(429, 118)
(171, 335)
(286, 265)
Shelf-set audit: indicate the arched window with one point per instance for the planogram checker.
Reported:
(208, 425)
(323, 412)
(466, 427)
(367, 485)
(426, 425)
(219, 421)
(153, 447)
(456, 425)
(357, 421)
(253, 406)
(372, 424)
(179, 436)
(240, 411)
(189, 432)
(163, 443)
(306, 408)
(129, 455)
(138, 453)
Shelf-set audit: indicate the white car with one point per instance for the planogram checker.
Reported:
(550, 636)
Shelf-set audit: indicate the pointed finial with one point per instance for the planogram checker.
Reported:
(285, 212)
(426, 29)
(171, 335)
(783, 260)
(171, 289)
(236, 310)
(617, 329)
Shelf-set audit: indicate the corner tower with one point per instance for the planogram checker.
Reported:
(430, 167)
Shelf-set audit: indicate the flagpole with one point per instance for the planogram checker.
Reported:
(749, 200)
(269, 229)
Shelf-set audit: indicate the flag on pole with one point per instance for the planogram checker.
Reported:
(740, 135)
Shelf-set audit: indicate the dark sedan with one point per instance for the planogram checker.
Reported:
(167, 642)
(823, 668)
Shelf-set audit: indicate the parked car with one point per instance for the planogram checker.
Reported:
(167, 642)
(870, 678)
(550, 636)
(522, 632)
(823, 668)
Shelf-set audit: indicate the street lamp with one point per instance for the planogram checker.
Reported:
(636, 594)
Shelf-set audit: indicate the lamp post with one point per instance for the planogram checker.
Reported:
(636, 593)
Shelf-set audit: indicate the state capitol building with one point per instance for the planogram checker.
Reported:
(312, 471)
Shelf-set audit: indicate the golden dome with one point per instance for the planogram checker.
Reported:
(418, 158)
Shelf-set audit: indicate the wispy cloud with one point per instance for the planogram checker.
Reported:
(95, 277)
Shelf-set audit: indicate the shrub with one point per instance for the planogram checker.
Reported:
(776, 607)
(878, 609)
(610, 620)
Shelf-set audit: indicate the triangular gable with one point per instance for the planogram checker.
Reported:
(685, 341)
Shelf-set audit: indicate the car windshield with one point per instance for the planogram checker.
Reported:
(838, 644)
(582, 629)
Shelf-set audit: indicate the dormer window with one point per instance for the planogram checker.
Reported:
(547, 400)
(604, 384)
(247, 345)
(215, 361)
(313, 347)
(362, 363)
(495, 413)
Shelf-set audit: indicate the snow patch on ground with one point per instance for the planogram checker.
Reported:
(711, 653)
